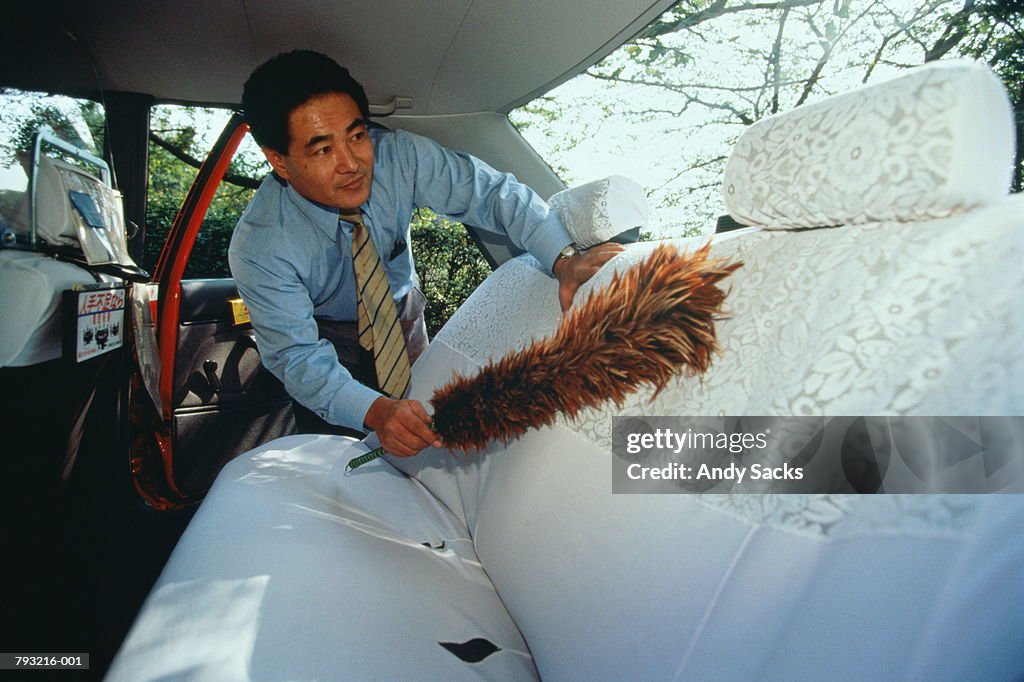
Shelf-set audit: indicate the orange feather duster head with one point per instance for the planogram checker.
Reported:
(649, 323)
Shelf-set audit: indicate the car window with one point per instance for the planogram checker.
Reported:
(667, 107)
(180, 137)
(449, 265)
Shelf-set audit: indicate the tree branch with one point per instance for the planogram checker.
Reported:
(717, 9)
(681, 88)
(185, 157)
(956, 30)
(878, 54)
(774, 67)
(826, 53)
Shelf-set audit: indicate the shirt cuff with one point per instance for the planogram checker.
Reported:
(553, 237)
(351, 404)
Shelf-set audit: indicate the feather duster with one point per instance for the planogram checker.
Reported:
(647, 325)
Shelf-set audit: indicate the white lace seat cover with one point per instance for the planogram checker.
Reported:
(936, 141)
(598, 211)
(740, 586)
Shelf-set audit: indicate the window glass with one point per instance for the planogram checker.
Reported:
(22, 114)
(180, 138)
(666, 108)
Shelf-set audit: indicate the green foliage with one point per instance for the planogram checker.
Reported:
(79, 122)
(448, 262)
(169, 182)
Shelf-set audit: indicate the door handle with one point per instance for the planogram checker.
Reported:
(210, 370)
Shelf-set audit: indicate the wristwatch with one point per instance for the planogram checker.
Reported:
(568, 252)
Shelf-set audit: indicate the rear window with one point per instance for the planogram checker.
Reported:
(666, 108)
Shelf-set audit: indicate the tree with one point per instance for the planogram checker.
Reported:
(449, 264)
(699, 75)
(179, 139)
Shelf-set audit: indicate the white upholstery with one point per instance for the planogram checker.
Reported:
(30, 306)
(865, 320)
(291, 570)
(877, 318)
(936, 141)
(597, 211)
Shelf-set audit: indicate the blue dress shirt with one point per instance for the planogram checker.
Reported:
(292, 258)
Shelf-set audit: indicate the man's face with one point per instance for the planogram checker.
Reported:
(330, 155)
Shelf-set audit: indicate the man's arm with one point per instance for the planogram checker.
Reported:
(290, 344)
(467, 189)
(291, 348)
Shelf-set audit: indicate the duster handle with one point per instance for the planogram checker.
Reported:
(359, 461)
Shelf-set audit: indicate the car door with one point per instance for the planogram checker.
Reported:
(204, 397)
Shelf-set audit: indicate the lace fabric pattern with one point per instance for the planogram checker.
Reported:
(876, 319)
(597, 211)
(584, 212)
(840, 517)
(514, 306)
(894, 151)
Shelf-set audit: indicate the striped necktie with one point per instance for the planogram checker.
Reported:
(379, 328)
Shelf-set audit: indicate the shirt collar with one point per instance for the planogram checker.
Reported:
(324, 217)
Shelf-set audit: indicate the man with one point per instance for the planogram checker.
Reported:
(337, 177)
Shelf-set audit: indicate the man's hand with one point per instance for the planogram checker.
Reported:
(573, 272)
(401, 425)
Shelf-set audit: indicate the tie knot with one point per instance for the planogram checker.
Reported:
(355, 217)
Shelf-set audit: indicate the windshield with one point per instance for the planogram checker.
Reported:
(667, 107)
(23, 114)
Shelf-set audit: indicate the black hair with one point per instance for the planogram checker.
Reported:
(283, 83)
